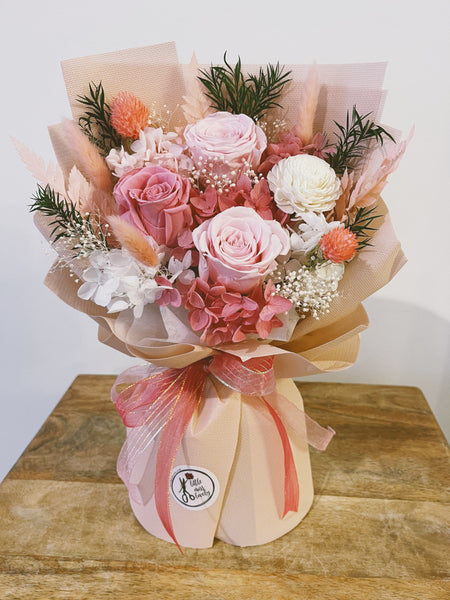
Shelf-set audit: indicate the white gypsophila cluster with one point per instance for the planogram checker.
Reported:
(219, 175)
(312, 227)
(180, 269)
(311, 289)
(153, 146)
(304, 183)
(272, 127)
(116, 281)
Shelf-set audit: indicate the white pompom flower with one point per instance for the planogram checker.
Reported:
(304, 183)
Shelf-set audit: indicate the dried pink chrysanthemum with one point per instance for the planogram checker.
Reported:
(339, 244)
(129, 115)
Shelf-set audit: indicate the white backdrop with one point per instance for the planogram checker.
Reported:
(46, 344)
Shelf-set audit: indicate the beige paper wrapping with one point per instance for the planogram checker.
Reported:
(231, 435)
(234, 437)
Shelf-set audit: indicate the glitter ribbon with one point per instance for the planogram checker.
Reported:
(164, 400)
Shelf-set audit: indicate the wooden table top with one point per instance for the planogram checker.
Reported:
(378, 528)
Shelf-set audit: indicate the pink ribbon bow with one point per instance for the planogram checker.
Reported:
(164, 401)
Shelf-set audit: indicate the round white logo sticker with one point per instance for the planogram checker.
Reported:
(194, 488)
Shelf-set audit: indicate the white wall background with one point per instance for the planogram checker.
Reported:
(46, 344)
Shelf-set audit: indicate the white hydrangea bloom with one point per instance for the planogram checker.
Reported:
(331, 272)
(310, 230)
(116, 281)
(138, 291)
(165, 149)
(120, 162)
(179, 269)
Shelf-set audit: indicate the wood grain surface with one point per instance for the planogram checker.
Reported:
(378, 528)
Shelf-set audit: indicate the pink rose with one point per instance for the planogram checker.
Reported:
(238, 248)
(154, 200)
(225, 138)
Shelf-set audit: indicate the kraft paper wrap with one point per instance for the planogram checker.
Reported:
(231, 435)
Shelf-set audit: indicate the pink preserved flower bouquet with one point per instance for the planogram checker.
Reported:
(230, 247)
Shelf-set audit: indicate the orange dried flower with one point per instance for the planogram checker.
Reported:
(339, 244)
(128, 115)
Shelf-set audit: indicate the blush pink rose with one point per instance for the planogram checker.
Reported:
(154, 200)
(222, 138)
(238, 248)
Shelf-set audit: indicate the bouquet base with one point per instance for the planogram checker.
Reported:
(228, 478)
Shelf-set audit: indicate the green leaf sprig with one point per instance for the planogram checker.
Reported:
(230, 90)
(353, 139)
(361, 225)
(96, 120)
(68, 222)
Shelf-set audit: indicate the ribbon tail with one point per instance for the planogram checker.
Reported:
(187, 400)
(144, 409)
(131, 376)
(317, 436)
(291, 487)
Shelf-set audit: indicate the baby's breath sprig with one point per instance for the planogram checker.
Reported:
(207, 173)
(272, 127)
(69, 223)
(96, 120)
(253, 95)
(352, 141)
(162, 116)
(310, 288)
